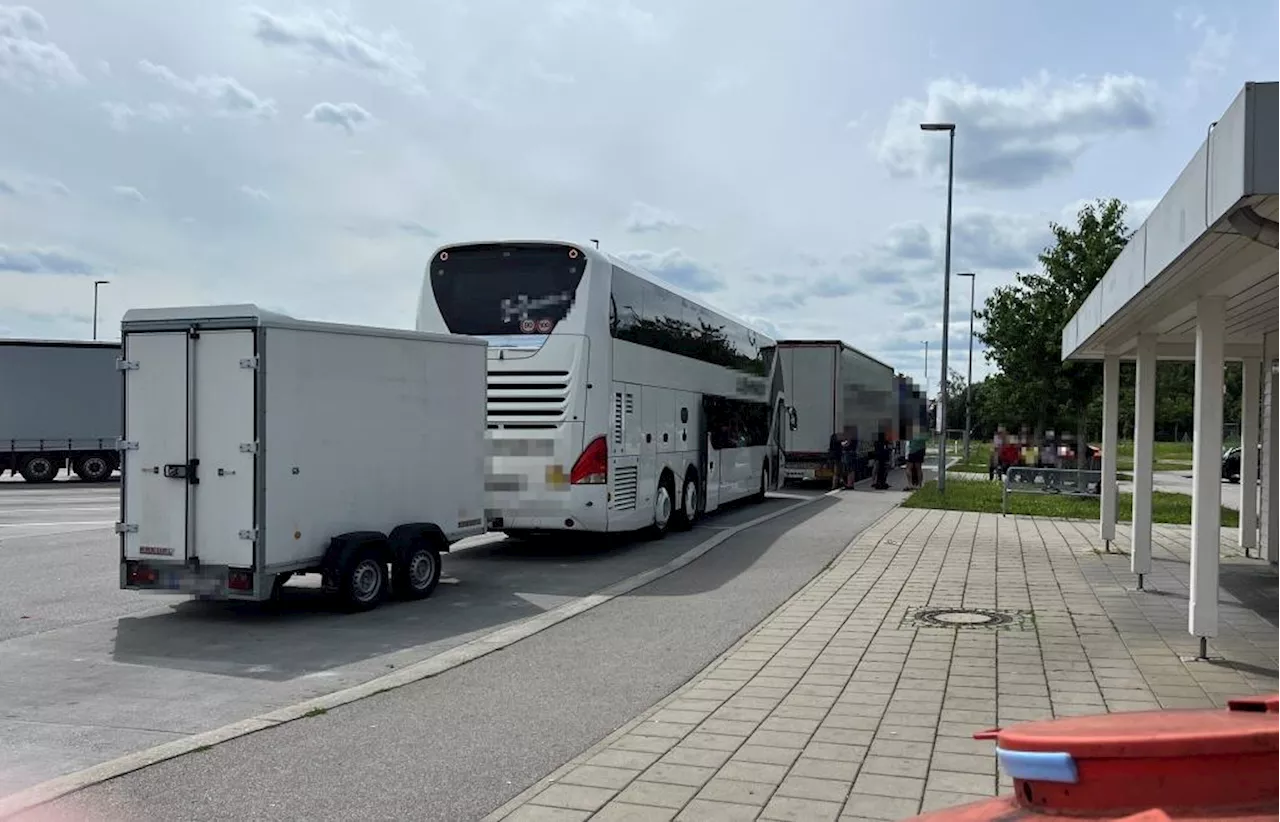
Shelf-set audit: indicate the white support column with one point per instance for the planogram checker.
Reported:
(1206, 470)
(1144, 435)
(1250, 395)
(1110, 425)
(1270, 531)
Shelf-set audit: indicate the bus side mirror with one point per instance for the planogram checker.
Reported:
(792, 420)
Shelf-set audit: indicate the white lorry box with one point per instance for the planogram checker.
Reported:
(257, 446)
(832, 388)
(60, 408)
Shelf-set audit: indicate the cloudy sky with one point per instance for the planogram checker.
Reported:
(308, 156)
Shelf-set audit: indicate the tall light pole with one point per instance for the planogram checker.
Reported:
(968, 380)
(96, 284)
(950, 128)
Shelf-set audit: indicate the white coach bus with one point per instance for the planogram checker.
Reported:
(615, 403)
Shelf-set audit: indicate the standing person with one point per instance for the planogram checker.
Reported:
(881, 455)
(915, 460)
(851, 459)
(835, 456)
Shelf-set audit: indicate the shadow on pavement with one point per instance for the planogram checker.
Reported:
(482, 588)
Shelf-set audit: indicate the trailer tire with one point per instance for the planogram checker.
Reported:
(39, 468)
(416, 572)
(355, 568)
(93, 467)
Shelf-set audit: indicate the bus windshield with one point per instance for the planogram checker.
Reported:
(512, 294)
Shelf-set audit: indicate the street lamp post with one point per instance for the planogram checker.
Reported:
(950, 128)
(96, 284)
(968, 380)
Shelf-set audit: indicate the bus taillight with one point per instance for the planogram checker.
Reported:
(592, 468)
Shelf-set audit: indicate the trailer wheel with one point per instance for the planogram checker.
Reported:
(362, 580)
(39, 468)
(416, 573)
(93, 468)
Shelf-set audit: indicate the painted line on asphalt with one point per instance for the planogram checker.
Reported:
(504, 637)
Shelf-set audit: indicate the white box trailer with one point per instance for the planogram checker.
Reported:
(257, 446)
(832, 388)
(60, 408)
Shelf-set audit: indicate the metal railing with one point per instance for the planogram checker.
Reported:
(1073, 482)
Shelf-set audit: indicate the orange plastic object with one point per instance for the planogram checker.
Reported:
(1186, 765)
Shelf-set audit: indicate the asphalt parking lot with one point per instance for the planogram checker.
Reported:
(89, 672)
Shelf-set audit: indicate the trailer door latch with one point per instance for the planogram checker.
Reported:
(126, 445)
(249, 534)
(126, 365)
(249, 362)
(126, 527)
(187, 471)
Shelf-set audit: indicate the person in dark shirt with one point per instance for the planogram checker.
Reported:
(881, 453)
(835, 452)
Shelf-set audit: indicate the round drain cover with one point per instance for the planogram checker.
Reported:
(963, 617)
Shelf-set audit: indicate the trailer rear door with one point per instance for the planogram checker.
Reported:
(189, 473)
(155, 434)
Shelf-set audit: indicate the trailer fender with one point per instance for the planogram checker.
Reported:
(412, 534)
(343, 546)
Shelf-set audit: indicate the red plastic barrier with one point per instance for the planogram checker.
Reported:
(1150, 765)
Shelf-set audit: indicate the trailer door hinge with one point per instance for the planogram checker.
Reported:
(126, 445)
(126, 365)
(249, 534)
(249, 362)
(126, 527)
(249, 447)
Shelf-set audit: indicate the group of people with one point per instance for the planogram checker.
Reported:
(843, 457)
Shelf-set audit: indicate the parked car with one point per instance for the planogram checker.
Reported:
(1231, 463)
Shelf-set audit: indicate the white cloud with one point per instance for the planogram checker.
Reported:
(331, 37)
(1213, 52)
(1013, 137)
(347, 116)
(646, 218)
(27, 59)
(226, 94)
(255, 193)
(129, 193)
(43, 261)
(122, 114)
(677, 268)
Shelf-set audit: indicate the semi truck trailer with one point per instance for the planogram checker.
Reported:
(257, 446)
(60, 408)
(833, 388)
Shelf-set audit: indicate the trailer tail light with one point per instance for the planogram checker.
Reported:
(139, 574)
(592, 468)
(240, 580)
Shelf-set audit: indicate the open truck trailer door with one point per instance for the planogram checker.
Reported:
(190, 451)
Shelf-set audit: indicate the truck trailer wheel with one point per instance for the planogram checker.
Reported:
(362, 580)
(39, 468)
(416, 572)
(93, 467)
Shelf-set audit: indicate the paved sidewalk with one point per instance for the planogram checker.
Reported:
(843, 705)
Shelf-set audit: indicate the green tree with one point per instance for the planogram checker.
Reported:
(1022, 322)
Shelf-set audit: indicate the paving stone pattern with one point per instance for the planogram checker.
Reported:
(835, 707)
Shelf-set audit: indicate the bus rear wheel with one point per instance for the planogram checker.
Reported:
(664, 507)
(687, 514)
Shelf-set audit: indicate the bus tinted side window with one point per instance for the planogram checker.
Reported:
(736, 423)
